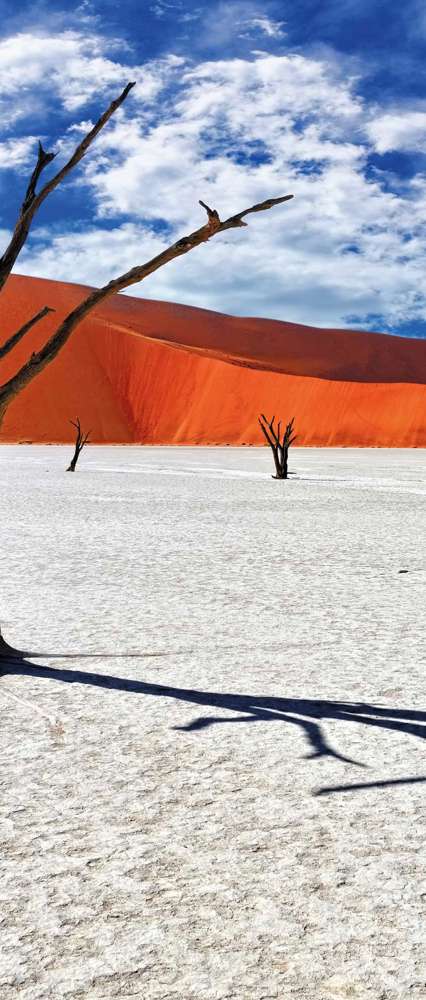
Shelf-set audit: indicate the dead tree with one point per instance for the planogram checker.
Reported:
(38, 360)
(278, 444)
(80, 440)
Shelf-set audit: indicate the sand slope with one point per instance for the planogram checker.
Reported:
(122, 375)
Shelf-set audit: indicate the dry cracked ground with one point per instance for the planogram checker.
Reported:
(213, 768)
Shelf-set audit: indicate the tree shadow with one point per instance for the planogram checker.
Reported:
(306, 714)
(360, 786)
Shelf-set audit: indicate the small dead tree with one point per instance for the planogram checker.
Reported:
(278, 443)
(80, 440)
(32, 201)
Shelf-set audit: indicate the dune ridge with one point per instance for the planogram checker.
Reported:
(143, 371)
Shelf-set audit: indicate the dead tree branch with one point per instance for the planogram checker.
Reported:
(16, 337)
(43, 160)
(40, 359)
(279, 444)
(80, 441)
(32, 200)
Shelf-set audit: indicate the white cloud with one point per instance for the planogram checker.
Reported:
(268, 27)
(88, 257)
(15, 152)
(270, 269)
(400, 130)
(234, 132)
(73, 68)
(226, 20)
(231, 108)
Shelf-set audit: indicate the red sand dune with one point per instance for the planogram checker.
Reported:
(122, 374)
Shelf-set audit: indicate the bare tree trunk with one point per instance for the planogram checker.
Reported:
(278, 444)
(80, 441)
(285, 463)
(40, 359)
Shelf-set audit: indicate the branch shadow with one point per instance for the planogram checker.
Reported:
(306, 714)
(360, 786)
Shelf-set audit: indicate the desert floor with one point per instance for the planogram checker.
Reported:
(213, 772)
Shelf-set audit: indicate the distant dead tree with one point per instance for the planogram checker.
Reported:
(278, 443)
(80, 440)
(30, 205)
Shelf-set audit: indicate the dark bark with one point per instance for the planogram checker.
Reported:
(279, 444)
(285, 463)
(80, 441)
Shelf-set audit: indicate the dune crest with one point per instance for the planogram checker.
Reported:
(153, 372)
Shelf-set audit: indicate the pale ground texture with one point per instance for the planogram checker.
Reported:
(213, 769)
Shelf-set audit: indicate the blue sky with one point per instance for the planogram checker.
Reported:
(235, 101)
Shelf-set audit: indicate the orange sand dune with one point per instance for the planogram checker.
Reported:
(121, 373)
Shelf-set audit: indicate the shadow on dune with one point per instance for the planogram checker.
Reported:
(304, 713)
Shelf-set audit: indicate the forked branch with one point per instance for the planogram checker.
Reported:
(32, 200)
(43, 160)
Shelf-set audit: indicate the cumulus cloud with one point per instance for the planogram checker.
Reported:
(232, 132)
(91, 256)
(73, 68)
(400, 130)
